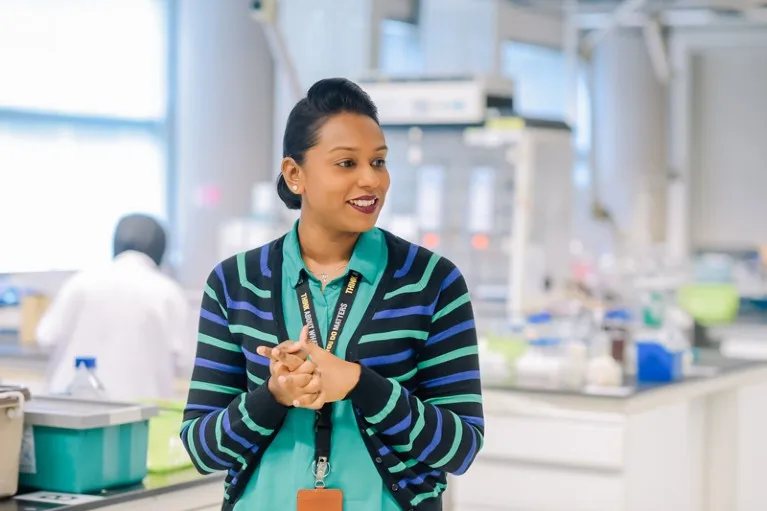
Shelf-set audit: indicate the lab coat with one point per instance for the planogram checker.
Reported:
(132, 318)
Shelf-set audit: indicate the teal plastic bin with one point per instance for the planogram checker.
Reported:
(76, 446)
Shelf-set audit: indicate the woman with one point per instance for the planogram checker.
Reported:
(392, 366)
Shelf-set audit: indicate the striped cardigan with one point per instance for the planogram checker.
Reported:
(418, 402)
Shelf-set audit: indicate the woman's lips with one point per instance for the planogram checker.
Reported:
(367, 204)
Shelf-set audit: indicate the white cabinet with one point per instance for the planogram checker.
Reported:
(695, 446)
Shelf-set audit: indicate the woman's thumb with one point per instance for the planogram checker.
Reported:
(303, 337)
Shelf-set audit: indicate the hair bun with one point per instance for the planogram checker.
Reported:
(339, 94)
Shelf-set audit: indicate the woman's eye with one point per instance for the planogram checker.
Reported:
(346, 164)
(380, 162)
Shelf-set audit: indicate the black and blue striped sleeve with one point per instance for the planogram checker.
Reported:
(441, 424)
(224, 424)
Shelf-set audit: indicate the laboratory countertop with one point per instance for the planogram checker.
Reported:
(711, 373)
(152, 486)
(12, 349)
(711, 366)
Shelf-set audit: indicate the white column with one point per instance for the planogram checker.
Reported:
(223, 124)
(630, 136)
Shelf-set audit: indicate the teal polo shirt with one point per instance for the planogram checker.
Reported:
(286, 465)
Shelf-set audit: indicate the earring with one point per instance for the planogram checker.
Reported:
(295, 188)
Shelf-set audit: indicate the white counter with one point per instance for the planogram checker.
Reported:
(179, 491)
(697, 445)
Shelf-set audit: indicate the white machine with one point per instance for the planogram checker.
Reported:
(486, 188)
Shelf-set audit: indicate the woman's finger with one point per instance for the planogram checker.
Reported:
(305, 401)
(293, 382)
(278, 353)
(306, 367)
(292, 362)
(313, 385)
(293, 348)
(278, 369)
(318, 402)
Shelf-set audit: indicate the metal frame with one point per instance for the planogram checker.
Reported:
(670, 57)
(170, 133)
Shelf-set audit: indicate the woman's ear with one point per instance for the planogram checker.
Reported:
(292, 174)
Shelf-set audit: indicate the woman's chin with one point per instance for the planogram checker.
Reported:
(361, 224)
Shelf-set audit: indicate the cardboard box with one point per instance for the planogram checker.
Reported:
(33, 308)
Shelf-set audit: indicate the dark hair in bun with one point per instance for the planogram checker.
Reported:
(325, 98)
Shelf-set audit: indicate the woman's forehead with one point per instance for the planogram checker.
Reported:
(350, 131)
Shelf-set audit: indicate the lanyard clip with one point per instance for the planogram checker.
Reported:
(321, 471)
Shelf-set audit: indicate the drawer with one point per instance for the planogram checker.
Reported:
(590, 444)
(498, 486)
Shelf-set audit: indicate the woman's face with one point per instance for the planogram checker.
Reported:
(343, 179)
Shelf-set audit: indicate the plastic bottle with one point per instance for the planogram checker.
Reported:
(540, 366)
(575, 362)
(86, 384)
(603, 370)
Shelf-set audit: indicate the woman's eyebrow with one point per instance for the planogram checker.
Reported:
(347, 148)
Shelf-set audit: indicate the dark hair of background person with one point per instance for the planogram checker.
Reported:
(140, 233)
(325, 99)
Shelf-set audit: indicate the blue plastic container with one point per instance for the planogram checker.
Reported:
(84, 446)
(656, 364)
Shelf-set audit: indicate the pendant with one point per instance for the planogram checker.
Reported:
(324, 278)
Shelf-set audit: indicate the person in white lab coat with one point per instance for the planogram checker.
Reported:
(128, 315)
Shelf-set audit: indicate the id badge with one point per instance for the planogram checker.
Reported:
(320, 499)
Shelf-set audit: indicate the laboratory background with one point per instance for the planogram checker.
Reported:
(596, 168)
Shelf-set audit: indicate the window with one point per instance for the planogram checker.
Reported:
(400, 48)
(540, 90)
(83, 104)
(540, 85)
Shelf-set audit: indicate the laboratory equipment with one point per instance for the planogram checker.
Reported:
(540, 366)
(603, 370)
(12, 401)
(657, 363)
(83, 446)
(86, 383)
(487, 189)
(263, 225)
(574, 364)
(617, 326)
(166, 451)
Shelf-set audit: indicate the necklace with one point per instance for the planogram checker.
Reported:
(324, 276)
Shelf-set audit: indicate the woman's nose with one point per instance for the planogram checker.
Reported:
(368, 177)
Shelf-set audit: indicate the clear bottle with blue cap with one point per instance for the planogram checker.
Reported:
(541, 364)
(86, 383)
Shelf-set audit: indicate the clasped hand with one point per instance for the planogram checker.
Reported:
(306, 376)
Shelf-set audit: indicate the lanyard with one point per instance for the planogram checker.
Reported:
(323, 425)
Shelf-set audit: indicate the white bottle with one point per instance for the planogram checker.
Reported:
(539, 366)
(86, 384)
(603, 370)
(575, 362)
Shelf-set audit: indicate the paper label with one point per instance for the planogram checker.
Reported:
(27, 462)
(64, 499)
